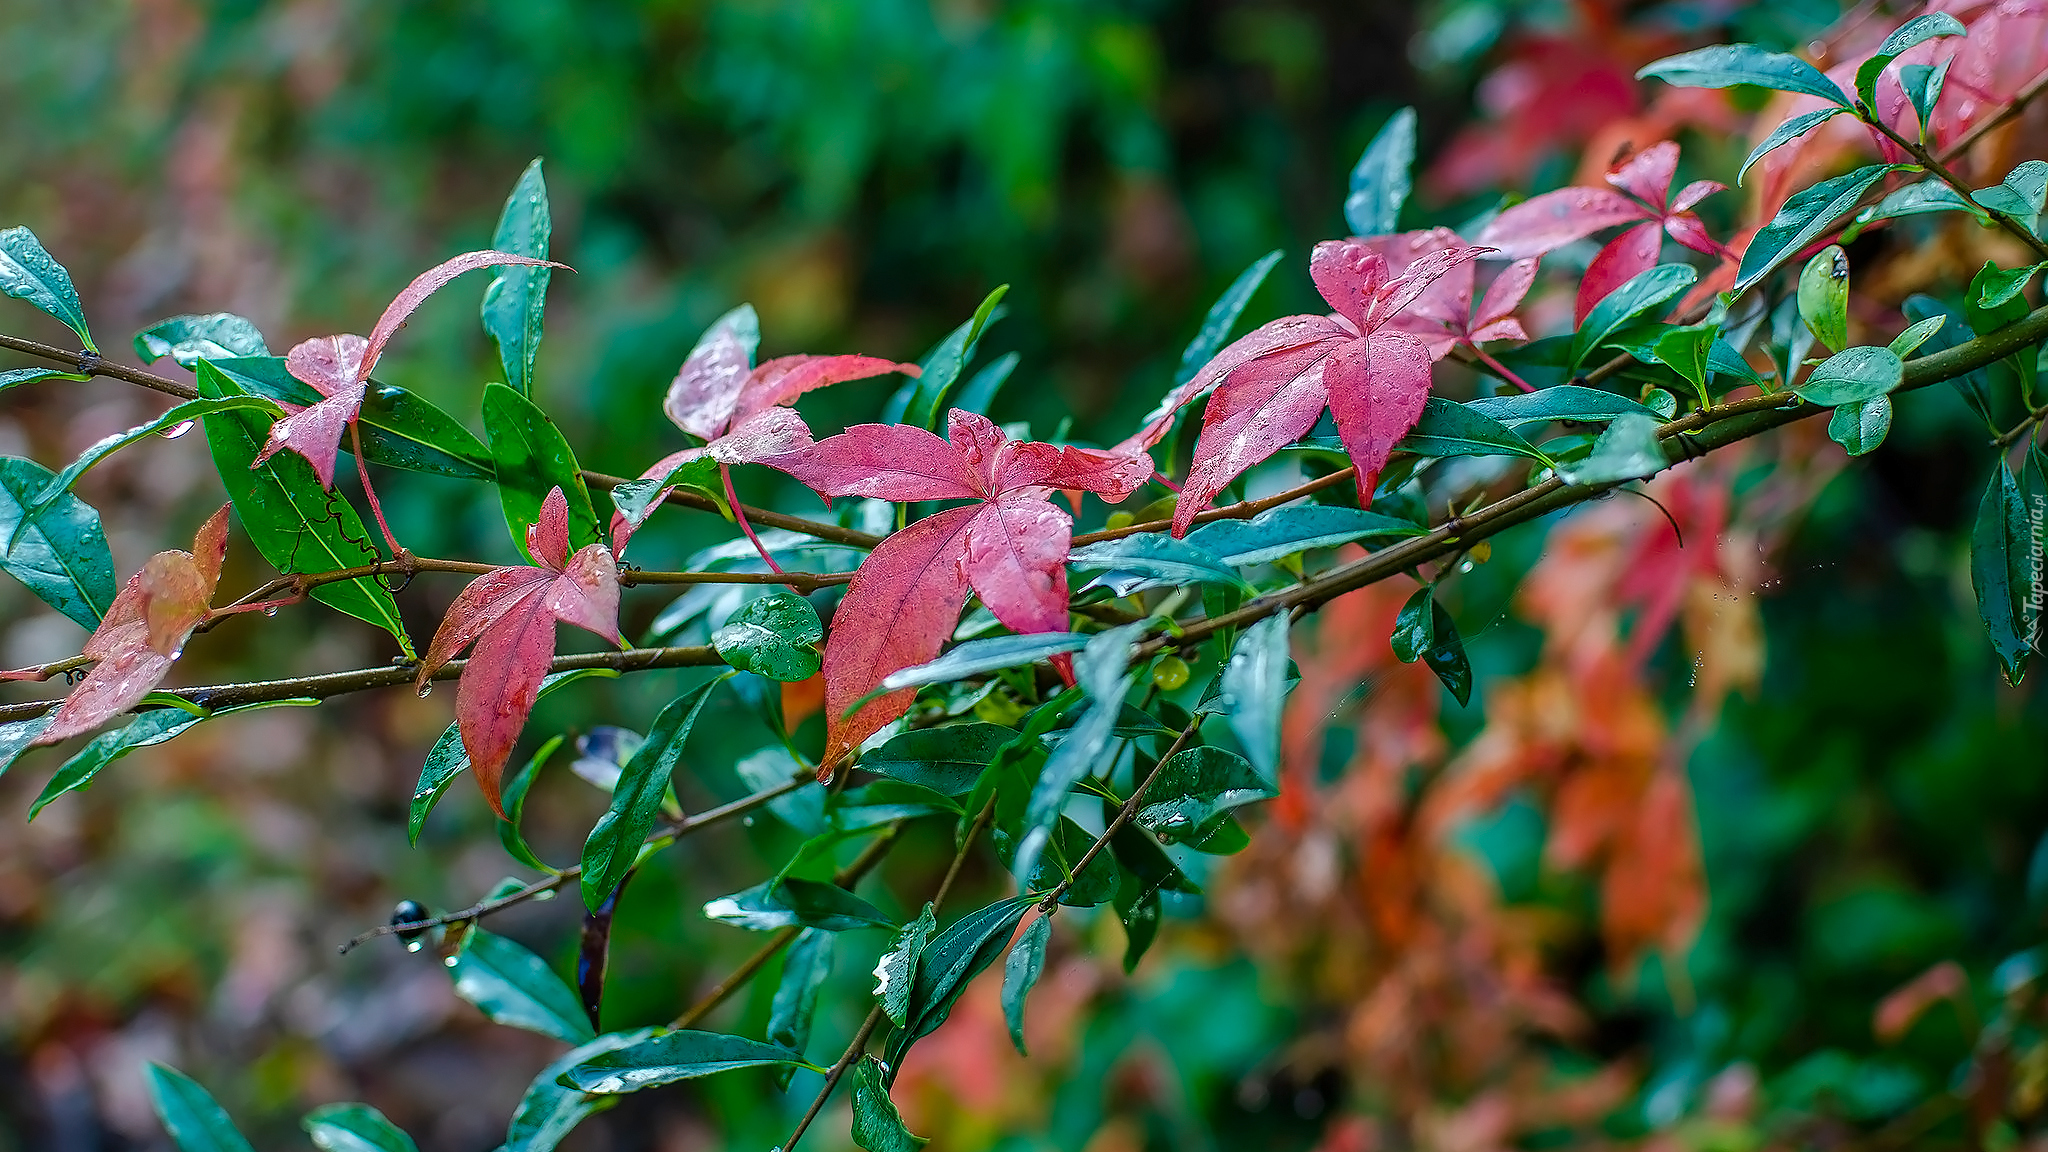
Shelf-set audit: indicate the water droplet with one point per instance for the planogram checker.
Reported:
(450, 961)
(270, 610)
(748, 821)
(426, 689)
(545, 894)
(176, 430)
(1465, 566)
(413, 945)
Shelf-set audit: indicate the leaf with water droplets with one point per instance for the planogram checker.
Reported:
(194, 1120)
(517, 298)
(354, 1128)
(28, 272)
(190, 339)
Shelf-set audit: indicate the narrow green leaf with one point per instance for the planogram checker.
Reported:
(512, 796)
(1852, 375)
(1291, 529)
(1020, 975)
(1642, 296)
(1139, 907)
(896, 973)
(981, 389)
(1380, 182)
(194, 1119)
(1860, 425)
(671, 1057)
(354, 1128)
(295, 524)
(1103, 669)
(106, 446)
(923, 400)
(28, 272)
(518, 989)
(514, 303)
(806, 964)
(1918, 30)
(791, 901)
(1923, 84)
(1222, 316)
(614, 843)
(775, 636)
(1803, 218)
(1574, 402)
(2001, 573)
(1195, 789)
(635, 499)
(60, 553)
(1254, 690)
(550, 1110)
(946, 965)
(1824, 297)
(1918, 200)
(877, 1126)
(190, 339)
(978, 656)
(947, 760)
(1908, 342)
(531, 459)
(1785, 133)
(1727, 65)
(14, 376)
(1414, 626)
(1627, 450)
(79, 771)
(399, 429)
(17, 736)
(1151, 560)
(1448, 428)
(445, 761)
(1446, 656)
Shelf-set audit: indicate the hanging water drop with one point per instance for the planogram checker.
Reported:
(176, 430)
(270, 610)
(413, 946)
(450, 961)
(747, 821)
(426, 689)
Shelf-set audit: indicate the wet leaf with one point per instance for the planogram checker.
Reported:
(1802, 220)
(1640, 297)
(805, 966)
(947, 760)
(518, 989)
(1918, 30)
(1380, 181)
(1574, 402)
(775, 636)
(1195, 788)
(1292, 529)
(2001, 572)
(190, 339)
(1020, 975)
(28, 272)
(531, 458)
(1853, 375)
(791, 901)
(1254, 693)
(1448, 428)
(354, 1128)
(1135, 563)
(550, 1110)
(1860, 425)
(515, 301)
(1727, 65)
(195, 1121)
(399, 429)
(877, 1127)
(60, 552)
(1793, 128)
(614, 843)
(946, 965)
(671, 1057)
(1627, 450)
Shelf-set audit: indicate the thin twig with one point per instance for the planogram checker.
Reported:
(2026, 95)
(90, 365)
(1243, 510)
(1123, 817)
(1942, 172)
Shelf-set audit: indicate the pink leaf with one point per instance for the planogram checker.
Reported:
(897, 613)
(1348, 273)
(707, 387)
(1695, 192)
(1503, 296)
(498, 689)
(1276, 336)
(782, 380)
(1260, 409)
(331, 364)
(1623, 259)
(1647, 174)
(1394, 298)
(887, 462)
(547, 539)
(1686, 228)
(622, 529)
(1377, 388)
(143, 632)
(1555, 219)
(426, 284)
(315, 433)
(1016, 560)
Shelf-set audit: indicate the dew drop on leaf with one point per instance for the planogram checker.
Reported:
(176, 430)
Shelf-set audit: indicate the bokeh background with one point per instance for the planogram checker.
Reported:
(1406, 957)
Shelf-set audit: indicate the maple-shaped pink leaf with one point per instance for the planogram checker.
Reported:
(1009, 547)
(339, 367)
(144, 631)
(720, 397)
(1443, 316)
(510, 616)
(1554, 219)
(1273, 383)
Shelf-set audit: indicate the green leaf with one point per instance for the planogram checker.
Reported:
(1627, 450)
(636, 499)
(1103, 669)
(2022, 194)
(445, 761)
(1995, 288)
(1291, 529)
(1803, 218)
(512, 796)
(775, 636)
(895, 975)
(1974, 385)
(1152, 560)
(60, 553)
(1918, 30)
(923, 400)
(194, 1119)
(1860, 425)
(532, 459)
(1020, 975)
(1726, 65)
(982, 387)
(792, 901)
(514, 302)
(947, 760)
(1852, 375)
(2001, 572)
(1414, 626)
(978, 656)
(190, 339)
(295, 524)
(1448, 428)
(670, 1057)
(1688, 351)
(946, 965)
(1254, 693)
(28, 272)
(877, 1126)
(1195, 789)
(399, 429)
(79, 771)
(1222, 316)
(1380, 182)
(1139, 908)
(14, 376)
(1724, 360)
(1785, 133)
(1446, 656)
(106, 446)
(1824, 297)
(614, 843)
(806, 964)
(516, 988)
(1988, 285)
(1574, 402)
(17, 736)
(1637, 298)
(1923, 84)
(1908, 342)
(1919, 200)
(550, 1111)
(354, 1128)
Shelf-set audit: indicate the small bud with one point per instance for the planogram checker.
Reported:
(1170, 673)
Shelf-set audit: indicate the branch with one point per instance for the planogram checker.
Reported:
(1941, 171)
(1243, 510)
(91, 365)
(2014, 107)
(817, 529)
(675, 831)
(1051, 903)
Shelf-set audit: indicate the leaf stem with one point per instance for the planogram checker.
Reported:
(1942, 172)
(1050, 904)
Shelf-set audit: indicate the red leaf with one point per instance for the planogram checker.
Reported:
(1647, 174)
(426, 284)
(1284, 334)
(1496, 310)
(510, 615)
(781, 380)
(1623, 259)
(1378, 388)
(144, 631)
(1016, 559)
(1554, 219)
(886, 462)
(315, 433)
(706, 388)
(1260, 409)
